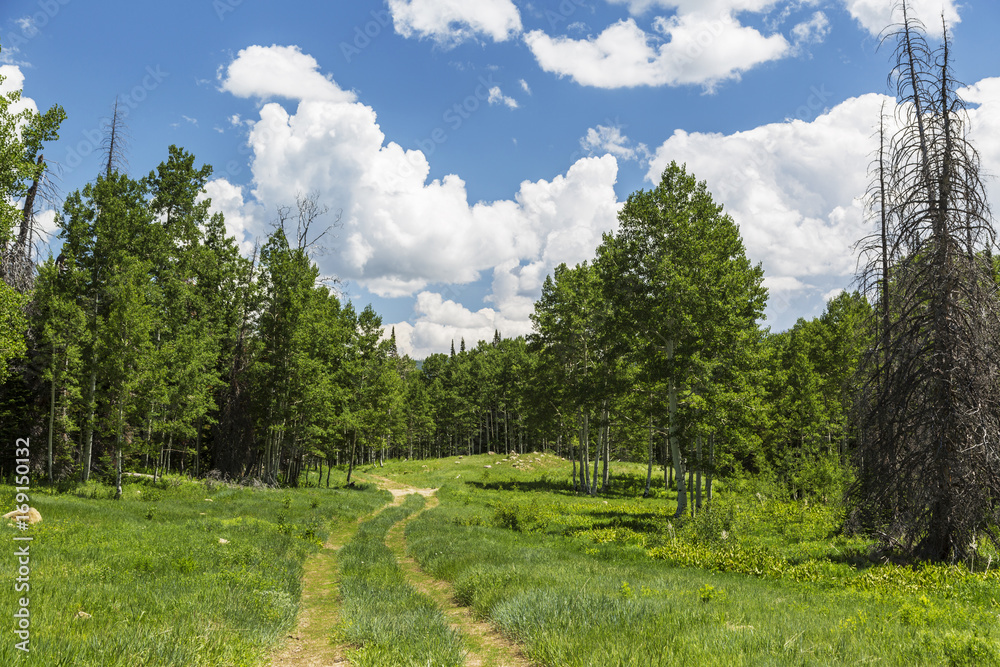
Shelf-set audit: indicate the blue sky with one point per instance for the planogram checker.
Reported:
(472, 146)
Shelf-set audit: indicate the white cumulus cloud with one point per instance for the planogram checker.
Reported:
(793, 188)
(876, 15)
(697, 47)
(279, 71)
(449, 22)
(610, 139)
(400, 231)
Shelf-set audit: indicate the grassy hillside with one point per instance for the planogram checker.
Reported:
(190, 573)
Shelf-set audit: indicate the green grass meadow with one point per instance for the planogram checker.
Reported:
(617, 581)
(159, 585)
(574, 580)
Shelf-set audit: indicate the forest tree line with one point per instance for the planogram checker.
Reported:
(152, 343)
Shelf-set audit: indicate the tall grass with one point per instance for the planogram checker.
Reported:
(388, 621)
(176, 573)
(583, 581)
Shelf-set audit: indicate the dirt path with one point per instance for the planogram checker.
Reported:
(309, 644)
(486, 646)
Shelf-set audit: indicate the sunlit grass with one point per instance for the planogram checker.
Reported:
(590, 581)
(388, 621)
(178, 573)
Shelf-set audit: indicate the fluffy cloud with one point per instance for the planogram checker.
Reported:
(793, 188)
(609, 139)
(876, 15)
(279, 71)
(812, 31)
(496, 96)
(984, 129)
(400, 232)
(699, 46)
(638, 7)
(13, 80)
(450, 22)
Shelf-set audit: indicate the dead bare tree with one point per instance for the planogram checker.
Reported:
(306, 214)
(928, 456)
(114, 145)
(17, 260)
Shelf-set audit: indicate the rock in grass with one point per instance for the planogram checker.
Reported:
(82, 614)
(32, 516)
(223, 540)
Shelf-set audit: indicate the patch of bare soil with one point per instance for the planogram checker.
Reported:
(309, 644)
(486, 647)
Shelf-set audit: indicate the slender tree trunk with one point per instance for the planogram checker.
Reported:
(52, 424)
(88, 433)
(584, 451)
(197, 450)
(649, 457)
(572, 455)
(118, 453)
(597, 459)
(679, 467)
(711, 468)
(697, 477)
(350, 463)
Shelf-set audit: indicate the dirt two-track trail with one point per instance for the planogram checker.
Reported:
(309, 643)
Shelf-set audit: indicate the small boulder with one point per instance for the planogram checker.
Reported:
(223, 540)
(82, 614)
(32, 516)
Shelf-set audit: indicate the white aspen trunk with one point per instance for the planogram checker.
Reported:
(606, 436)
(584, 452)
(88, 434)
(697, 477)
(597, 459)
(52, 424)
(675, 450)
(649, 455)
(711, 468)
(118, 454)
